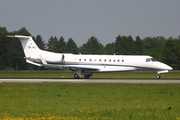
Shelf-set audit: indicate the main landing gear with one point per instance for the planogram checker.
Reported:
(86, 76)
(79, 72)
(76, 76)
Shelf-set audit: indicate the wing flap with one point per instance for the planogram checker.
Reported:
(85, 67)
(71, 67)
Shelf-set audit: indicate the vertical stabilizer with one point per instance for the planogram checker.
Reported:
(29, 46)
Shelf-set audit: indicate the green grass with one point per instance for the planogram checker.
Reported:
(69, 74)
(95, 101)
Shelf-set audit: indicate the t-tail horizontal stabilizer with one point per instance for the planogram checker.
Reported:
(28, 61)
(33, 59)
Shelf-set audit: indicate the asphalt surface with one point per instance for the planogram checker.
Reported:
(145, 81)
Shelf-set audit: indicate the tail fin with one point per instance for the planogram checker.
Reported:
(29, 46)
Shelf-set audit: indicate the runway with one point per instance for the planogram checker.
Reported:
(144, 81)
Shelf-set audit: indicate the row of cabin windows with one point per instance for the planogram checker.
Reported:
(95, 60)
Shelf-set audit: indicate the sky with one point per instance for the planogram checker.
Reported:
(81, 19)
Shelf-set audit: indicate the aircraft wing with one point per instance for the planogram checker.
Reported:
(85, 67)
(72, 67)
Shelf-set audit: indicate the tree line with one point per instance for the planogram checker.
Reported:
(165, 50)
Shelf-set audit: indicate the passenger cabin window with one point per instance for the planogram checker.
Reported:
(104, 60)
(99, 60)
(114, 60)
(84, 59)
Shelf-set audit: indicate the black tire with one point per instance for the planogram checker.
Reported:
(86, 76)
(158, 76)
(76, 76)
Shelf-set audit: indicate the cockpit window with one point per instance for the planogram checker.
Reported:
(148, 60)
(153, 59)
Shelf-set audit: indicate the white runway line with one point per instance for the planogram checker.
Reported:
(145, 81)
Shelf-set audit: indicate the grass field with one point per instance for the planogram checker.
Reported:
(89, 101)
(69, 74)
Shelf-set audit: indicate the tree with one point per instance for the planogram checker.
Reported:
(40, 42)
(83, 49)
(4, 56)
(178, 53)
(110, 49)
(52, 44)
(71, 46)
(118, 45)
(55, 45)
(124, 45)
(92, 46)
(22, 31)
(17, 52)
(153, 46)
(61, 45)
(139, 46)
(170, 54)
(130, 46)
(12, 55)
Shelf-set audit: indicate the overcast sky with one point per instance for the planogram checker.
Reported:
(81, 19)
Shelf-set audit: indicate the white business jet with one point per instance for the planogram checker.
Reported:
(88, 64)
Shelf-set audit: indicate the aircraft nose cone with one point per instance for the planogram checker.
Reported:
(164, 66)
(170, 68)
(167, 67)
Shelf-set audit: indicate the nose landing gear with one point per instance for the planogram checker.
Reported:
(158, 76)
